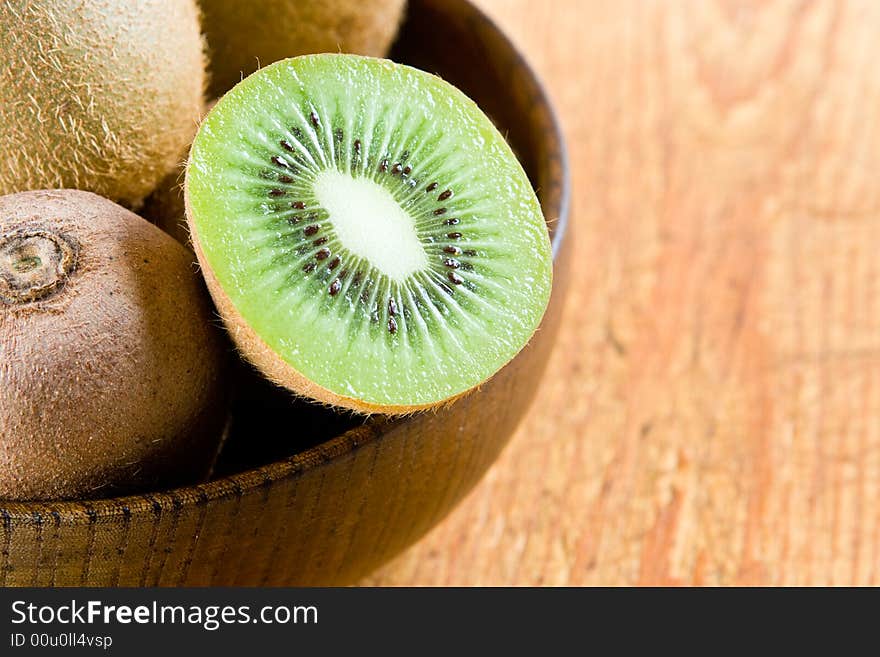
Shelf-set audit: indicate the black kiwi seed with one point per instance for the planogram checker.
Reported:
(280, 161)
(333, 263)
(383, 165)
(392, 307)
(431, 187)
(285, 179)
(407, 170)
(470, 252)
(335, 286)
(396, 169)
(320, 241)
(451, 222)
(392, 325)
(298, 205)
(286, 145)
(439, 211)
(309, 267)
(454, 250)
(445, 195)
(451, 262)
(323, 254)
(453, 236)
(314, 119)
(454, 278)
(311, 230)
(277, 192)
(357, 145)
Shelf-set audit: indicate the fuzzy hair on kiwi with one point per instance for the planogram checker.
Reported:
(367, 234)
(242, 36)
(101, 96)
(111, 363)
(165, 206)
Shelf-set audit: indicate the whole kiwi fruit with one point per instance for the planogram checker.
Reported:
(243, 36)
(100, 95)
(110, 361)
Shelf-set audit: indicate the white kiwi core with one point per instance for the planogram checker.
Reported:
(371, 224)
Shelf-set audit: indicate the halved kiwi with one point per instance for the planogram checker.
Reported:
(367, 234)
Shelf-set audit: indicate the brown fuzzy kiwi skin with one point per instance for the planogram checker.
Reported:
(112, 382)
(273, 367)
(165, 206)
(243, 36)
(100, 95)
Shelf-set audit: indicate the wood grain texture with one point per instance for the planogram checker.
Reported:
(711, 414)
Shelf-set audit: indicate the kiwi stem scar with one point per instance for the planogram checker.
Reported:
(371, 224)
(33, 264)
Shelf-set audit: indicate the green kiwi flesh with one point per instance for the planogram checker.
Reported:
(367, 234)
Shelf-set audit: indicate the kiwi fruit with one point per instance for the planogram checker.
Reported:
(101, 95)
(111, 366)
(367, 234)
(242, 36)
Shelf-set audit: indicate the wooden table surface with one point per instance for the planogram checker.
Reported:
(711, 414)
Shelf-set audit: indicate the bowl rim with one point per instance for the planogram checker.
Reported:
(73, 511)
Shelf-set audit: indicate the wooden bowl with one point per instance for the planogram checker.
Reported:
(333, 512)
